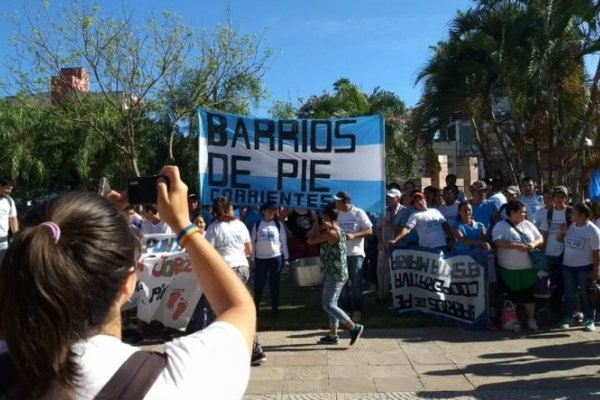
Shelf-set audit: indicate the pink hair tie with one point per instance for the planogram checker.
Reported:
(54, 228)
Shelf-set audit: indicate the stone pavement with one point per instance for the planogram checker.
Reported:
(429, 363)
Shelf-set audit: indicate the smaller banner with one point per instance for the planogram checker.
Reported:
(451, 287)
(167, 289)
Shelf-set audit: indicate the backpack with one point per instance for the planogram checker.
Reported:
(131, 381)
(567, 216)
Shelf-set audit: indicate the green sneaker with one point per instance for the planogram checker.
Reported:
(590, 326)
(566, 323)
(329, 339)
(355, 333)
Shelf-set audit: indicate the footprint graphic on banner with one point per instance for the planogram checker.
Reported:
(181, 307)
(173, 297)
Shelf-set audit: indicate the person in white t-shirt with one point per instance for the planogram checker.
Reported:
(270, 255)
(231, 239)
(548, 204)
(581, 264)
(514, 237)
(559, 214)
(66, 293)
(8, 214)
(152, 224)
(434, 231)
(450, 207)
(357, 225)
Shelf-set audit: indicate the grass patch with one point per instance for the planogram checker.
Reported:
(300, 309)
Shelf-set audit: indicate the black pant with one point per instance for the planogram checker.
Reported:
(264, 267)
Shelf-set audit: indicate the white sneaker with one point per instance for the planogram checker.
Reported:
(356, 316)
(532, 324)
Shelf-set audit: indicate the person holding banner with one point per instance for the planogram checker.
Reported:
(62, 285)
(434, 231)
(514, 237)
(332, 241)
(231, 239)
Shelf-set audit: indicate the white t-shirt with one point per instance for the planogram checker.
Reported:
(229, 239)
(352, 221)
(271, 240)
(512, 258)
(579, 243)
(597, 222)
(532, 203)
(429, 227)
(540, 215)
(553, 246)
(7, 210)
(209, 364)
(497, 200)
(148, 228)
(450, 212)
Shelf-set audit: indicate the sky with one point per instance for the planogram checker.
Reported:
(315, 42)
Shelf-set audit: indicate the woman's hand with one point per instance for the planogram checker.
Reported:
(172, 202)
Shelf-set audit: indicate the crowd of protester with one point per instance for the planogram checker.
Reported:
(498, 226)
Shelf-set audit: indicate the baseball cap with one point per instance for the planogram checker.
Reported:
(394, 193)
(342, 196)
(561, 189)
(478, 186)
(512, 189)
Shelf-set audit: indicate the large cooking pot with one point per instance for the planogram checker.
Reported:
(306, 272)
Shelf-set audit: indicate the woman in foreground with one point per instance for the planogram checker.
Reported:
(62, 285)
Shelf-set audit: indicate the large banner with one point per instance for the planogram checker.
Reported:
(295, 163)
(167, 289)
(452, 287)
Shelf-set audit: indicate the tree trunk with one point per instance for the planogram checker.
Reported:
(480, 143)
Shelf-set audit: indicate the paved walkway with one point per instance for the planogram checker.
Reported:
(429, 363)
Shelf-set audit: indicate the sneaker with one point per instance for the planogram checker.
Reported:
(566, 323)
(355, 333)
(578, 317)
(330, 339)
(532, 324)
(590, 326)
(258, 358)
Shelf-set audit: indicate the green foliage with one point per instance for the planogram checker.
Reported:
(347, 100)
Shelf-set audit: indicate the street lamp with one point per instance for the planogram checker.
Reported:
(587, 142)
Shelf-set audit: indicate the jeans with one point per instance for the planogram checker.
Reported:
(272, 267)
(331, 292)
(577, 279)
(353, 288)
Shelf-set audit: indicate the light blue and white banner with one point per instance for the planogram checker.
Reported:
(295, 163)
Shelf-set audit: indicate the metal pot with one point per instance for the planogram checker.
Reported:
(306, 272)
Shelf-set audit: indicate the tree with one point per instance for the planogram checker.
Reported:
(348, 100)
(127, 65)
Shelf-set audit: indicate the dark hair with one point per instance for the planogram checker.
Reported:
(513, 206)
(129, 207)
(220, 209)
(527, 179)
(583, 208)
(330, 212)
(6, 181)
(461, 205)
(409, 183)
(55, 293)
(451, 176)
(150, 208)
(393, 185)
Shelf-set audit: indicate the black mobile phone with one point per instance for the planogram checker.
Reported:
(142, 189)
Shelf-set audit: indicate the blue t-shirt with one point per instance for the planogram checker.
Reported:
(468, 232)
(483, 213)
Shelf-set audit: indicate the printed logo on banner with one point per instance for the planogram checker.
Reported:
(295, 163)
(451, 287)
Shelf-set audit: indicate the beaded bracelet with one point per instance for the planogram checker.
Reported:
(185, 234)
